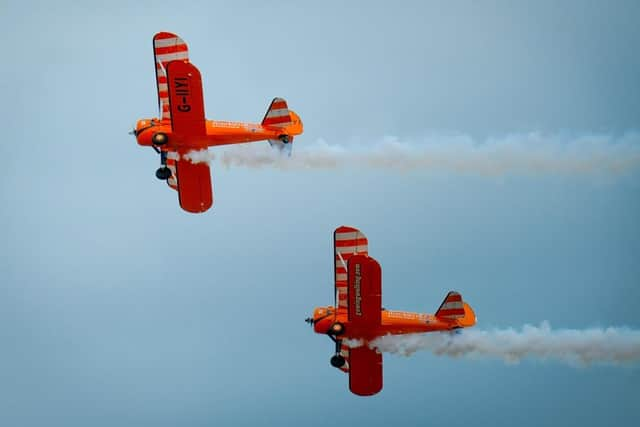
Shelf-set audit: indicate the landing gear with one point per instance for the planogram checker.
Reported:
(284, 138)
(159, 138)
(337, 361)
(336, 329)
(163, 173)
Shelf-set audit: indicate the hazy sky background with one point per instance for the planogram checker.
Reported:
(118, 308)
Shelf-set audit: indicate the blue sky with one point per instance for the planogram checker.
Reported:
(118, 308)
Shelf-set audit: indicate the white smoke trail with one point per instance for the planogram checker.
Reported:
(582, 347)
(522, 153)
(200, 156)
(353, 343)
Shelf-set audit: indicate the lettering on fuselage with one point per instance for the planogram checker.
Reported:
(356, 287)
(182, 92)
(405, 315)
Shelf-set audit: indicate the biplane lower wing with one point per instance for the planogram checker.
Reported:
(365, 371)
(364, 293)
(194, 185)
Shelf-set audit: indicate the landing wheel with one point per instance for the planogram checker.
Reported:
(284, 138)
(337, 361)
(163, 173)
(159, 138)
(336, 329)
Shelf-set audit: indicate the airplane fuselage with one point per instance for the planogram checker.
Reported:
(391, 322)
(217, 133)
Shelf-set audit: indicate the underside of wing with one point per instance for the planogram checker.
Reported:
(365, 371)
(167, 47)
(172, 158)
(347, 241)
(194, 185)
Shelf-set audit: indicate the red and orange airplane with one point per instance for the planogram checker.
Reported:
(357, 313)
(182, 128)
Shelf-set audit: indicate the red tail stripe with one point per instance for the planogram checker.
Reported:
(171, 49)
(279, 105)
(352, 242)
(282, 119)
(451, 312)
(164, 35)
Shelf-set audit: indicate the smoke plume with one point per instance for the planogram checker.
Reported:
(523, 153)
(200, 156)
(582, 347)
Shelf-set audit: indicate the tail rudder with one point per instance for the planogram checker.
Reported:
(279, 116)
(454, 309)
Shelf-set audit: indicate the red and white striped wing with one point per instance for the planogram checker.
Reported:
(347, 241)
(344, 352)
(172, 157)
(167, 47)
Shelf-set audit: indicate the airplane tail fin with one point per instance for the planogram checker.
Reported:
(454, 309)
(279, 116)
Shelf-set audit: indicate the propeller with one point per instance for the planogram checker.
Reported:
(309, 320)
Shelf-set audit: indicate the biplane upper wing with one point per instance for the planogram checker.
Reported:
(194, 185)
(186, 102)
(365, 371)
(364, 305)
(167, 47)
(347, 241)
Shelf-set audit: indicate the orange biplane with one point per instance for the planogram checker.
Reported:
(182, 134)
(357, 313)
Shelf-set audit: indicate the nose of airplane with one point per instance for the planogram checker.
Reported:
(316, 318)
